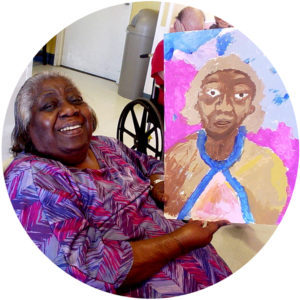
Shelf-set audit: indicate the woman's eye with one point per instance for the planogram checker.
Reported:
(213, 93)
(48, 107)
(240, 96)
(77, 100)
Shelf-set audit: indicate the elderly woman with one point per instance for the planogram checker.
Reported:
(85, 201)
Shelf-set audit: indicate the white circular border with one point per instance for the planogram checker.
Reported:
(26, 25)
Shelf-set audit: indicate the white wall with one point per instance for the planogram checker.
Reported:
(95, 43)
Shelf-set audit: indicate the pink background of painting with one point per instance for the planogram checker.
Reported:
(176, 86)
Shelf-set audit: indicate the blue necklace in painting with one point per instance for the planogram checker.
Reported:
(220, 166)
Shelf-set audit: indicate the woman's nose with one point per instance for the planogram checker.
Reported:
(68, 109)
(224, 104)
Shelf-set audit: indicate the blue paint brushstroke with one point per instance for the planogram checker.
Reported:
(273, 91)
(248, 60)
(187, 42)
(174, 117)
(223, 42)
(195, 195)
(217, 166)
(278, 100)
(273, 70)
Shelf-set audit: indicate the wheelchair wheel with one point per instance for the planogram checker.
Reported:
(141, 126)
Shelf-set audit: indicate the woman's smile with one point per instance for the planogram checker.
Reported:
(61, 124)
(71, 130)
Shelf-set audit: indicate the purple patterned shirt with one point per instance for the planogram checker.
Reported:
(83, 220)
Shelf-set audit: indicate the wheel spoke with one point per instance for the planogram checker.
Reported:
(144, 119)
(135, 121)
(151, 148)
(129, 133)
(150, 131)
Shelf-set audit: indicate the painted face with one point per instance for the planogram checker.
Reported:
(224, 101)
(61, 124)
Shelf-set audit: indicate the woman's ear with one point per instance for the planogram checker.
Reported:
(178, 26)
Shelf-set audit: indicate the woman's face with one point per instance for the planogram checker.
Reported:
(61, 124)
(225, 100)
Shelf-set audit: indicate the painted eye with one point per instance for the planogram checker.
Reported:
(240, 96)
(213, 93)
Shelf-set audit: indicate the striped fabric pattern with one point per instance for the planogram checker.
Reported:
(83, 220)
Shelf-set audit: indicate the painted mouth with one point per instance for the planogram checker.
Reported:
(222, 123)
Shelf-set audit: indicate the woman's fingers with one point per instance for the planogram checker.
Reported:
(221, 223)
(211, 225)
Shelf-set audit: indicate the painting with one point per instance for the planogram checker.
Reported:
(231, 142)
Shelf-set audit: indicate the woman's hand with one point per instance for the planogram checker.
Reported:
(196, 233)
(150, 255)
(157, 190)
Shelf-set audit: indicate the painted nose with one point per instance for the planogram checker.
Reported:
(224, 104)
(68, 109)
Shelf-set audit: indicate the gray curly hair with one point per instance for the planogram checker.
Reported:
(25, 99)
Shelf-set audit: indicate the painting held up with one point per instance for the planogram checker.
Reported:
(231, 138)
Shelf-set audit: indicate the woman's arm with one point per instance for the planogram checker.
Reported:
(55, 221)
(149, 256)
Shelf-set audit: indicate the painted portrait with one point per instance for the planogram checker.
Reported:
(231, 143)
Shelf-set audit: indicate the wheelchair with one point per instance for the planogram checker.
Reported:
(141, 125)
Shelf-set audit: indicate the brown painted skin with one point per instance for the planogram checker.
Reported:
(225, 100)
